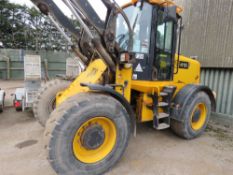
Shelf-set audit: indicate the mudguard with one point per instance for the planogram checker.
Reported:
(109, 90)
(184, 95)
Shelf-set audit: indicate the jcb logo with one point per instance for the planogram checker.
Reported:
(183, 65)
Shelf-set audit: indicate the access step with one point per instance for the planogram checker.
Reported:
(163, 94)
(162, 126)
(162, 104)
(162, 115)
(161, 121)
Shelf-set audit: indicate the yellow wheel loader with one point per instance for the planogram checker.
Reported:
(132, 75)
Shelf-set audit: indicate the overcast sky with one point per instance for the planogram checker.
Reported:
(98, 6)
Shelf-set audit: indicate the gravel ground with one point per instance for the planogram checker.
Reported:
(151, 152)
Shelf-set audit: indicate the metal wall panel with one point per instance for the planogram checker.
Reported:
(208, 31)
(220, 81)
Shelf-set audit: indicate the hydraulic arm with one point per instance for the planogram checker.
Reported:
(86, 21)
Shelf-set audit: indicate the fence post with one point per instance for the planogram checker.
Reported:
(46, 69)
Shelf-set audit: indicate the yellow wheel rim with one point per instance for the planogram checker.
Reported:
(89, 147)
(198, 117)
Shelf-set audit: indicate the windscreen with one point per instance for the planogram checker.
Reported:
(140, 21)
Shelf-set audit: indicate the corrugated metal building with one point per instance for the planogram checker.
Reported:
(208, 34)
(221, 81)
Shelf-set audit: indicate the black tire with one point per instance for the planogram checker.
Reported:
(184, 129)
(1, 108)
(44, 103)
(3, 104)
(66, 120)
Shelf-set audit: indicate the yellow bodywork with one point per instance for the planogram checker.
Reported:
(124, 77)
(163, 3)
(94, 72)
(190, 75)
(93, 75)
(181, 79)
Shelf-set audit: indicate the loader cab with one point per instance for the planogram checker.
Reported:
(154, 41)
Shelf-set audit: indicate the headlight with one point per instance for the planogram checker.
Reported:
(124, 57)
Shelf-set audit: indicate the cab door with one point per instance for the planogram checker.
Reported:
(164, 47)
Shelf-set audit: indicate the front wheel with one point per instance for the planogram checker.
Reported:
(87, 135)
(195, 117)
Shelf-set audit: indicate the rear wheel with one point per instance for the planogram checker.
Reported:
(195, 117)
(87, 134)
(45, 101)
(3, 103)
(1, 108)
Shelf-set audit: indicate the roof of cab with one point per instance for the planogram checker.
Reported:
(163, 3)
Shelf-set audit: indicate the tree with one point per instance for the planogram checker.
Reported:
(23, 27)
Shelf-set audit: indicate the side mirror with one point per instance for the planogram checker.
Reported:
(170, 14)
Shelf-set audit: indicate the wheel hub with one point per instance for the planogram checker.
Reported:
(196, 115)
(93, 137)
(94, 140)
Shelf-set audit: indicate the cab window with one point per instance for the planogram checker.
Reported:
(140, 21)
(164, 47)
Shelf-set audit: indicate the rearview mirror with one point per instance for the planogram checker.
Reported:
(170, 14)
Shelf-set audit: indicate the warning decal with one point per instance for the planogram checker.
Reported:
(138, 68)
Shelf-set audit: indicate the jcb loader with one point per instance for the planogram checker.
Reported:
(133, 74)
